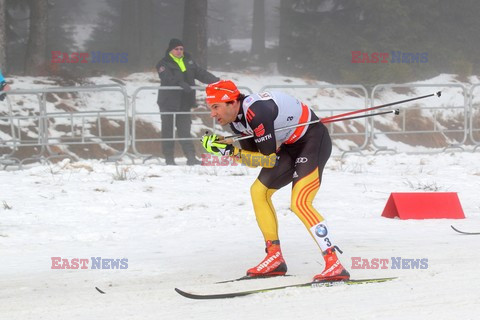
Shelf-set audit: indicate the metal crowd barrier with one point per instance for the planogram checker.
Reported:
(84, 127)
(151, 143)
(423, 129)
(454, 123)
(14, 139)
(474, 117)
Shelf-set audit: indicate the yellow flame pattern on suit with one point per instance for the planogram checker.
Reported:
(303, 193)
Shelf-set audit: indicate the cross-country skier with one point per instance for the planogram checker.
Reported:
(296, 155)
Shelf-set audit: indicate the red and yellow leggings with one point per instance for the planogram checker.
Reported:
(303, 193)
(302, 164)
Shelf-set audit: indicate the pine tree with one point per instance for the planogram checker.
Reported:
(195, 30)
(35, 62)
(3, 36)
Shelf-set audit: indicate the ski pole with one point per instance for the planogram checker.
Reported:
(438, 94)
(338, 117)
(231, 139)
(396, 112)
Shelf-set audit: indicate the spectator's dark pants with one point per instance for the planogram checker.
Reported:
(183, 123)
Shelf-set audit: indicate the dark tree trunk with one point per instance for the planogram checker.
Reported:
(35, 60)
(129, 25)
(146, 34)
(283, 59)
(195, 30)
(258, 29)
(136, 20)
(3, 37)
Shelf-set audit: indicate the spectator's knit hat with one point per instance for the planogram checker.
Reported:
(221, 91)
(173, 44)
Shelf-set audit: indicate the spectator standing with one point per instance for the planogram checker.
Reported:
(178, 68)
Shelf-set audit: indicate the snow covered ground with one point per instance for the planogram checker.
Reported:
(189, 227)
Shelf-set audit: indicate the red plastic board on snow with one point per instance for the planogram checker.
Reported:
(423, 205)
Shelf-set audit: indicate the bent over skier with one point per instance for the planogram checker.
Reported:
(296, 155)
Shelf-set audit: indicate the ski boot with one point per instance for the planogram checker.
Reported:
(334, 271)
(273, 265)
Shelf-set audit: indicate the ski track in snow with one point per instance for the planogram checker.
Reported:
(189, 227)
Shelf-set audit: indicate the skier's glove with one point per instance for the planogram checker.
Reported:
(213, 146)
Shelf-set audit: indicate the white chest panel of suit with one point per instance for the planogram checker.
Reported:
(290, 112)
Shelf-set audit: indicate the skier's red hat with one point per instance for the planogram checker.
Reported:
(221, 91)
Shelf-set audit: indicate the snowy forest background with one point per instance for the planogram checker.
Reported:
(306, 38)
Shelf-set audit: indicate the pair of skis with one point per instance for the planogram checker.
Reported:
(297, 285)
